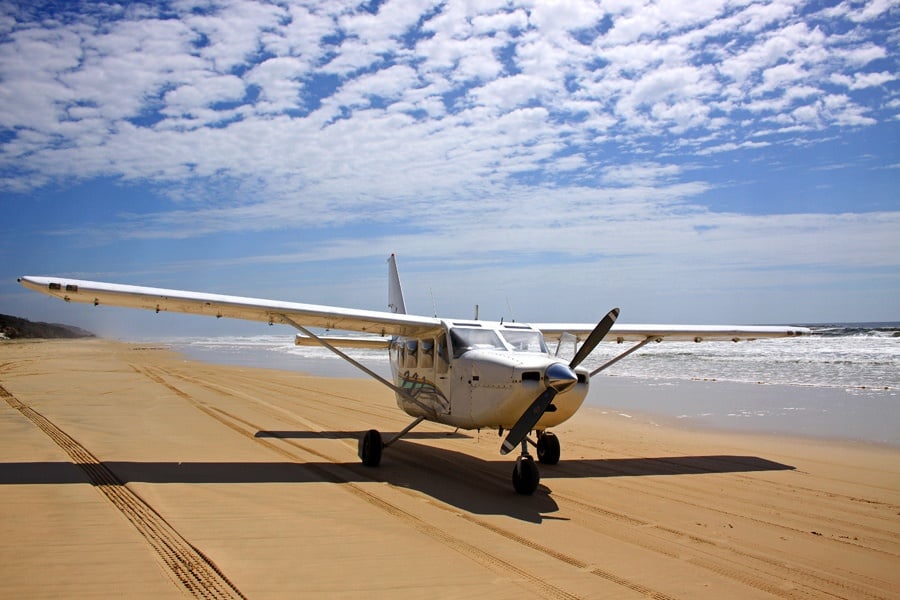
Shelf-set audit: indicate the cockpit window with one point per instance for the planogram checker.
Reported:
(465, 339)
(526, 341)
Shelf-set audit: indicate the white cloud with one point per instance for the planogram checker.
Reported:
(861, 81)
(188, 98)
(509, 92)
(302, 31)
(280, 82)
(564, 15)
(487, 24)
(647, 174)
(860, 12)
(860, 56)
(233, 31)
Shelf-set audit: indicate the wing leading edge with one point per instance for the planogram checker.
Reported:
(234, 307)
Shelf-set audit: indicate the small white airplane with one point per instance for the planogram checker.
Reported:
(466, 373)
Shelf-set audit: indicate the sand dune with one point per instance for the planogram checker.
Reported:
(127, 470)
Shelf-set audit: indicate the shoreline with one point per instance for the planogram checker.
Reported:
(110, 451)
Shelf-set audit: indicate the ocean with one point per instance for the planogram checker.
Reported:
(842, 381)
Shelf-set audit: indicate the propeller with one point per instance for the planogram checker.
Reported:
(559, 378)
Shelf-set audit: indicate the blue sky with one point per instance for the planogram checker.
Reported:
(690, 162)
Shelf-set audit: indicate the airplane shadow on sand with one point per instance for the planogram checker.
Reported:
(455, 478)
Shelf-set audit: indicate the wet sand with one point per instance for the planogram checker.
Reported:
(126, 470)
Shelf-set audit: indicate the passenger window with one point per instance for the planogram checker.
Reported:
(443, 360)
(426, 354)
(395, 352)
(412, 352)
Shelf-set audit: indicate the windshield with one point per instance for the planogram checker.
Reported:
(526, 341)
(465, 339)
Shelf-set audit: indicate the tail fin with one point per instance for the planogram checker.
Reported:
(395, 292)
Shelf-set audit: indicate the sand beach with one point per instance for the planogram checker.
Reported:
(128, 470)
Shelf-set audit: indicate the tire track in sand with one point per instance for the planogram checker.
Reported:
(185, 564)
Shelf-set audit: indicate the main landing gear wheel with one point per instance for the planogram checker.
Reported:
(525, 475)
(548, 448)
(370, 446)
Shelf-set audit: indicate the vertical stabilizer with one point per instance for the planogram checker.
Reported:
(395, 292)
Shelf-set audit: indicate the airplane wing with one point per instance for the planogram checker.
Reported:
(346, 319)
(234, 307)
(683, 333)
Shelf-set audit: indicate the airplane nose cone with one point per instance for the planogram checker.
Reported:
(560, 377)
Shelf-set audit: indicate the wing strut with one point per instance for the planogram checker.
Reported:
(406, 430)
(613, 361)
(565, 336)
(354, 362)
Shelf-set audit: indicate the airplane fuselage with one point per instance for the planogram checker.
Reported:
(480, 375)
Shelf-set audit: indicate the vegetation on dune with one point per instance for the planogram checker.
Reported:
(17, 328)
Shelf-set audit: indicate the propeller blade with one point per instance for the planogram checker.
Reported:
(559, 378)
(527, 421)
(595, 338)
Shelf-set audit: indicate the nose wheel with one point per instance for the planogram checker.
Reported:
(525, 476)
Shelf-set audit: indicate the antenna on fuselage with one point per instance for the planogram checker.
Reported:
(476, 312)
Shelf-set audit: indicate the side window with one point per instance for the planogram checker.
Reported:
(443, 354)
(412, 354)
(426, 354)
(399, 354)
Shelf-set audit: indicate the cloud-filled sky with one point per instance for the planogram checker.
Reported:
(694, 162)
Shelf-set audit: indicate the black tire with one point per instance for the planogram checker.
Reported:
(526, 476)
(548, 448)
(370, 447)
